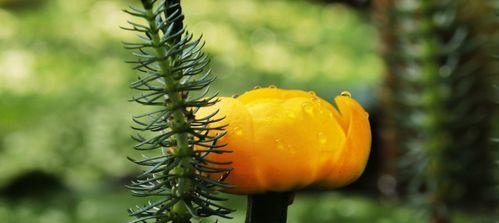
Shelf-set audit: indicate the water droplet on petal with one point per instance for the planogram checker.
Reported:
(272, 86)
(257, 87)
(322, 138)
(235, 95)
(346, 94)
(308, 108)
(238, 131)
(312, 93)
(279, 144)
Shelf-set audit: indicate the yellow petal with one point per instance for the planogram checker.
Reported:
(350, 163)
(271, 93)
(239, 136)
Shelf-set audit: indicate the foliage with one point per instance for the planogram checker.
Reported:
(106, 206)
(437, 95)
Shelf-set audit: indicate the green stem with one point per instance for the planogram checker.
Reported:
(178, 123)
(270, 207)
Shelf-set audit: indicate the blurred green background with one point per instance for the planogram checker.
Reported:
(64, 115)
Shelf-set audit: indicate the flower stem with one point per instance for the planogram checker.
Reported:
(270, 207)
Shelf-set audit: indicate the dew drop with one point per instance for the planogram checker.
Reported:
(308, 108)
(238, 131)
(257, 87)
(272, 86)
(235, 95)
(279, 144)
(322, 138)
(321, 111)
(312, 93)
(346, 94)
(291, 114)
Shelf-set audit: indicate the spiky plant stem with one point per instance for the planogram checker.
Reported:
(179, 122)
(174, 67)
(437, 98)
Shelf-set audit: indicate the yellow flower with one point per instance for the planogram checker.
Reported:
(284, 140)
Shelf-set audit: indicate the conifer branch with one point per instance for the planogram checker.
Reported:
(173, 66)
